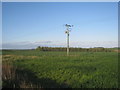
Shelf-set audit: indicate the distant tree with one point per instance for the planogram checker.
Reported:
(74, 49)
(39, 48)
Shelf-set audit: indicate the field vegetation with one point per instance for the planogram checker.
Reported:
(53, 69)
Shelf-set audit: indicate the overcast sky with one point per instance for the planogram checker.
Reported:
(32, 24)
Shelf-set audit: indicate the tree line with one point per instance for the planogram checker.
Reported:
(75, 49)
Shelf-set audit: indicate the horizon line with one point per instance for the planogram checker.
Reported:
(52, 47)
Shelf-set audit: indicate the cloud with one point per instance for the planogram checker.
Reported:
(87, 44)
(26, 44)
(38, 42)
(83, 44)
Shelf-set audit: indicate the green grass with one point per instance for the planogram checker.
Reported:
(79, 70)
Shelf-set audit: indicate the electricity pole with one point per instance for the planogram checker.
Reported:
(67, 32)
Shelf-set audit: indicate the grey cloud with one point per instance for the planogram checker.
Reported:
(95, 44)
(43, 42)
(84, 44)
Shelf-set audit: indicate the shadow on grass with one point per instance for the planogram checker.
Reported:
(26, 79)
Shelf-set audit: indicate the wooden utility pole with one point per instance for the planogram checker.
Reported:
(67, 32)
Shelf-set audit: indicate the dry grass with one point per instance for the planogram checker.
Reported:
(14, 77)
(117, 51)
(16, 57)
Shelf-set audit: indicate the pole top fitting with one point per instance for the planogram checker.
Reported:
(68, 25)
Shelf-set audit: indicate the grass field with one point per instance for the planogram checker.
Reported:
(30, 68)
